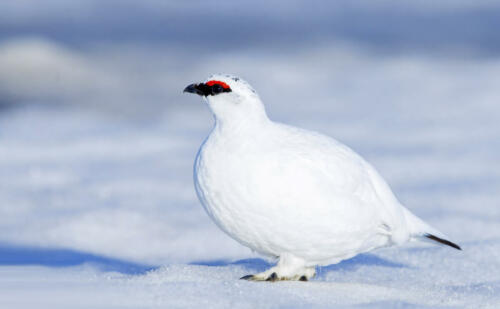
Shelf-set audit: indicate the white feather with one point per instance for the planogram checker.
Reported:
(281, 190)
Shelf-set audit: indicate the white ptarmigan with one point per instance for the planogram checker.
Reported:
(290, 193)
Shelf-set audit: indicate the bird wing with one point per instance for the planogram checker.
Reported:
(343, 173)
(357, 184)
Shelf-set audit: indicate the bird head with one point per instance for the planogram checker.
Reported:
(230, 98)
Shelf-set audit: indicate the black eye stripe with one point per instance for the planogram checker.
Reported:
(206, 90)
(216, 89)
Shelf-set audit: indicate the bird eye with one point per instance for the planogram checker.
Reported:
(216, 89)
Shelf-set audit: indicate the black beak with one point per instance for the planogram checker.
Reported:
(199, 89)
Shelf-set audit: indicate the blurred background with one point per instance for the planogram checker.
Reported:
(97, 140)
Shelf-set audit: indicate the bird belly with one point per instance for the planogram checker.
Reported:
(273, 212)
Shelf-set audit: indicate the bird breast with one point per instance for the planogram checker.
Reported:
(266, 195)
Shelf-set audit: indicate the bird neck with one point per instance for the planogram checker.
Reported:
(235, 118)
(242, 124)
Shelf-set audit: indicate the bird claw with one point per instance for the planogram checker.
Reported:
(247, 277)
(289, 268)
(273, 277)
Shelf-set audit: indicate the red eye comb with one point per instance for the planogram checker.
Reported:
(213, 82)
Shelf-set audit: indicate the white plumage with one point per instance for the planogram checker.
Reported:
(292, 193)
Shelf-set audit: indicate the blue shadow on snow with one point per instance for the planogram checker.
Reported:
(258, 265)
(254, 264)
(18, 255)
(365, 259)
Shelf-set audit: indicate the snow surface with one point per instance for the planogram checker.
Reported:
(98, 210)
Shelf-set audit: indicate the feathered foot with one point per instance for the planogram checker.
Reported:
(289, 268)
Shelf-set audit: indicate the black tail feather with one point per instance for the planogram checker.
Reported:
(443, 241)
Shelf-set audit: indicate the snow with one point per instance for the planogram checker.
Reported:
(98, 209)
(415, 280)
